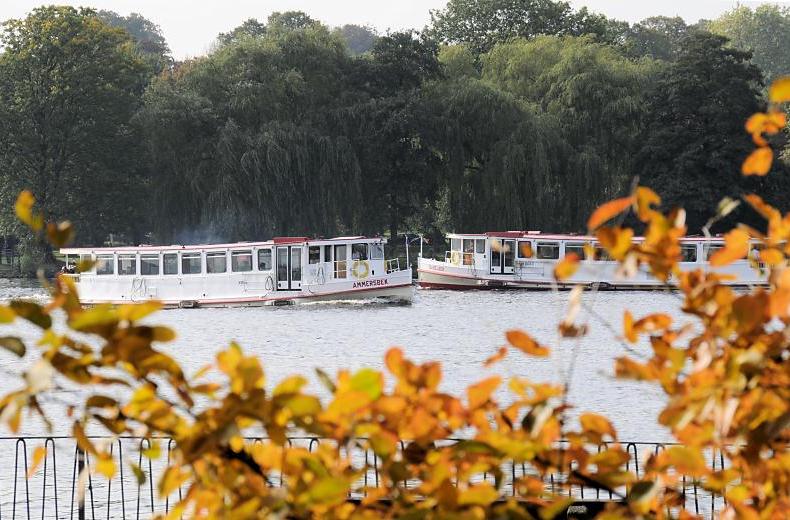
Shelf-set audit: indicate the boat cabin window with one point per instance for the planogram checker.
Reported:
(524, 249)
(376, 251)
(216, 262)
(327, 253)
(296, 264)
(149, 265)
(314, 254)
(265, 259)
(688, 252)
(104, 264)
(340, 262)
(127, 265)
(190, 263)
(480, 246)
(359, 251)
(170, 263)
(469, 245)
(241, 261)
(576, 248)
(548, 250)
(455, 244)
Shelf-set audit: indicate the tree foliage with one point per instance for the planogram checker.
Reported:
(70, 86)
(724, 372)
(764, 31)
(481, 24)
(148, 36)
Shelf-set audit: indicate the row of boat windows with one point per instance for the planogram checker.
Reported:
(217, 262)
(551, 250)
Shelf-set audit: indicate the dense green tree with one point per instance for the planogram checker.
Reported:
(146, 34)
(359, 38)
(290, 20)
(250, 28)
(763, 31)
(657, 37)
(595, 95)
(69, 88)
(481, 24)
(237, 142)
(694, 137)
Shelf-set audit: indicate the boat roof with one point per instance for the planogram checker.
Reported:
(567, 237)
(234, 245)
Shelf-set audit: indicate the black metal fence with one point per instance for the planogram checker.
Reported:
(53, 489)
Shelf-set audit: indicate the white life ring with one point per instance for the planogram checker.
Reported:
(455, 258)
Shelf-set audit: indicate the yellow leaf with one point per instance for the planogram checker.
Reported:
(736, 247)
(480, 393)
(24, 211)
(138, 311)
(171, 480)
(38, 455)
(566, 267)
(7, 315)
(479, 495)
(153, 451)
(290, 385)
(779, 92)
(608, 211)
(616, 241)
(687, 461)
(526, 344)
(772, 256)
(105, 465)
(368, 381)
(645, 199)
(759, 162)
(598, 424)
(628, 327)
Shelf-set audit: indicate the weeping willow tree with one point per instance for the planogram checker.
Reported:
(237, 146)
(594, 98)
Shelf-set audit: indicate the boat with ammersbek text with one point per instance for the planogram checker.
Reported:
(526, 260)
(281, 271)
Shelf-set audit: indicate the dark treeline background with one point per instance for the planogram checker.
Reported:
(498, 115)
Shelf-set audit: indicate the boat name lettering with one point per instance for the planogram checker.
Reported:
(370, 283)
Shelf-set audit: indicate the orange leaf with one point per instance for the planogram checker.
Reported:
(480, 393)
(608, 211)
(616, 241)
(628, 327)
(779, 91)
(645, 198)
(525, 249)
(500, 354)
(759, 162)
(598, 424)
(772, 256)
(526, 344)
(566, 267)
(736, 247)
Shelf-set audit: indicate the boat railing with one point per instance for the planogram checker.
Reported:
(393, 265)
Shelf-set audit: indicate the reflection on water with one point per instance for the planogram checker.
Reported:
(460, 329)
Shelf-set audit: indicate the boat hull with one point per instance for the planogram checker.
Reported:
(435, 274)
(393, 287)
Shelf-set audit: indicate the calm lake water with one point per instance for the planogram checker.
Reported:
(460, 329)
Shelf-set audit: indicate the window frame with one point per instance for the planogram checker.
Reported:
(237, 253)
(165, 257)
(189, 255)
(258, 259)
(538, 245)
(126, 256)
(313, 250)
(217, 254)
(149, 256)
(376, 251)
(103, 258)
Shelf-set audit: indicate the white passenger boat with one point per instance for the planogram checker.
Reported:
(517, 259)
(281, 271)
